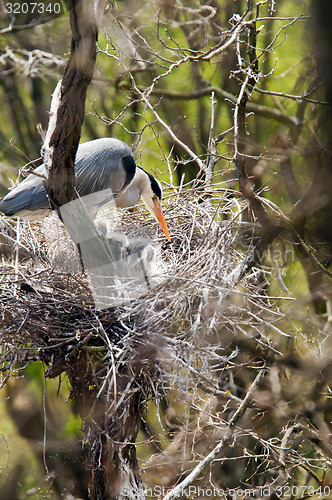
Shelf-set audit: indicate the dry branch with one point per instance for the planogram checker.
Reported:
(180, 488)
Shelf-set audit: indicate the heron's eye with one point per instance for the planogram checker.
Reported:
(155, 198)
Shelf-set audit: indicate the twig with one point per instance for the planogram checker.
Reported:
(277, 271)
(260, 109)
(170, 131)
(179, 488)
(311, 255)
(289, 96)
(212, 150)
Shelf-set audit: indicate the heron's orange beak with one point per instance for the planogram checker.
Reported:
(158, 213)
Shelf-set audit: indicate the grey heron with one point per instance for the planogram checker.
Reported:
(102, 165)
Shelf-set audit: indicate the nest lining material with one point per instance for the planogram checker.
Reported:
(183, 300)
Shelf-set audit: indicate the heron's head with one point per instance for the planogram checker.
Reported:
(151, 195)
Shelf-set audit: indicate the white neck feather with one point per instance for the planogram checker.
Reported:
(142, 181)
(140, 185)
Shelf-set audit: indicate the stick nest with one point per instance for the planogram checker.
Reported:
(183, 301)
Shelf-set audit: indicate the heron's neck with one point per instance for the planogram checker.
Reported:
(141, 180)
(130, 196)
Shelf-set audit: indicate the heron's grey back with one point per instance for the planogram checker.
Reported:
(30, 194)
(100, 164)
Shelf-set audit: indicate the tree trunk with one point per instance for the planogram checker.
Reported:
(111, 400)
(68, 105)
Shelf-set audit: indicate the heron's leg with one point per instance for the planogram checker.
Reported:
(145, 274)
(80, 256)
